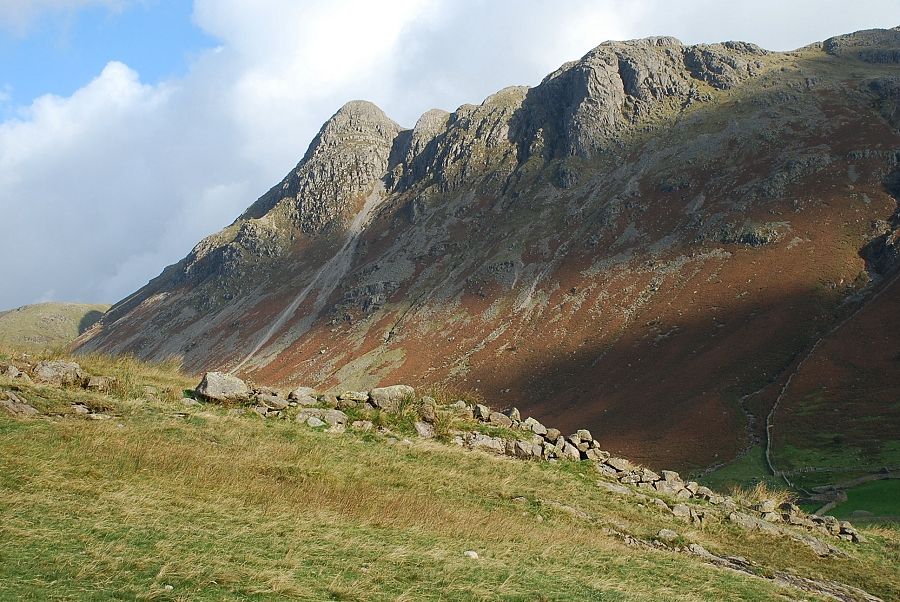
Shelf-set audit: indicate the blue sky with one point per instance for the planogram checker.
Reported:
(131, 129)
(61, 50)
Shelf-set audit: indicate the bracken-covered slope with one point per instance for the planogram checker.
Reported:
(649, 235)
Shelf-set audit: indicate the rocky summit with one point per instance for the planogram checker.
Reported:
(690, 251)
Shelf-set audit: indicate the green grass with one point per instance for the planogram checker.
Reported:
(881, 498)
(746, 471)
(47, 325)
(220, 506)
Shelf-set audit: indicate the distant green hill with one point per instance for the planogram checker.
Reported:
(46, 325)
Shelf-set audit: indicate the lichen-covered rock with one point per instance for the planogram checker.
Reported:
(536, 427)
(487, 443)
(331, 417)
(499, 419)
(424, 429)
(272, 402)
(223, 388)
(619, 464)
(58, 372)
(389, 398)
(301, 392)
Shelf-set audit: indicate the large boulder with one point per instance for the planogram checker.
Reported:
(389, 398)
(58, 372)
(221, 387)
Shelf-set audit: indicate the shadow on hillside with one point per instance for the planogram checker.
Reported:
(88, 320)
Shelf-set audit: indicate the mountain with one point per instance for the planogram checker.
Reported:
(668, 244)
(47, 325)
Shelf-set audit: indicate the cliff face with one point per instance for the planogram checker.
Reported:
(653, 233)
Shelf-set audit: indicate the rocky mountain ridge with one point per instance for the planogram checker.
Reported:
(653, 232)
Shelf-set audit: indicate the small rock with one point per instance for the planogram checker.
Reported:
(536, 427)
(487, 443)
(100, 384)
(9, 371)
(671, 476)
(515, 415)
(584, 435)
(299, 392)
(765, 506)
(272, 402)
(501, 420)
(354, 396)
(471, 554)
(681, 511)
(307, 400)
(462, 409)
(667, 535)
(335, 417)
(596, 455)
(331, 400)
(482, 412)
(428, 410)
(189, 402)
(619, 464)
(551, 434)
(17, 406)
(314, 422)
(571, 452)
(614, 488)
(362, 425)
(424, 430)
(648, 476)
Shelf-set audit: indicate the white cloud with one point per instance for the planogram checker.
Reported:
(100, 190)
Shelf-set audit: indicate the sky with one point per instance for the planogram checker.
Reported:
(130, 129)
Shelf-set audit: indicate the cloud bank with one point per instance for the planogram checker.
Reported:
(100, 190)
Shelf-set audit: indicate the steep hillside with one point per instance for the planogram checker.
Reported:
(47, 325)
(114, 486)
(647, 243)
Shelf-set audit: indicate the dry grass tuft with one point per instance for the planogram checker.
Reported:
(761, 492)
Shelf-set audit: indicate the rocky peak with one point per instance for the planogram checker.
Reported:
(357, 124)
(584, 106)
(343, 162)
(870, 45)
(448, 149)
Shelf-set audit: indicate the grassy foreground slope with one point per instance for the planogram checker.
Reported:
(47, 325)
(157, 499)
